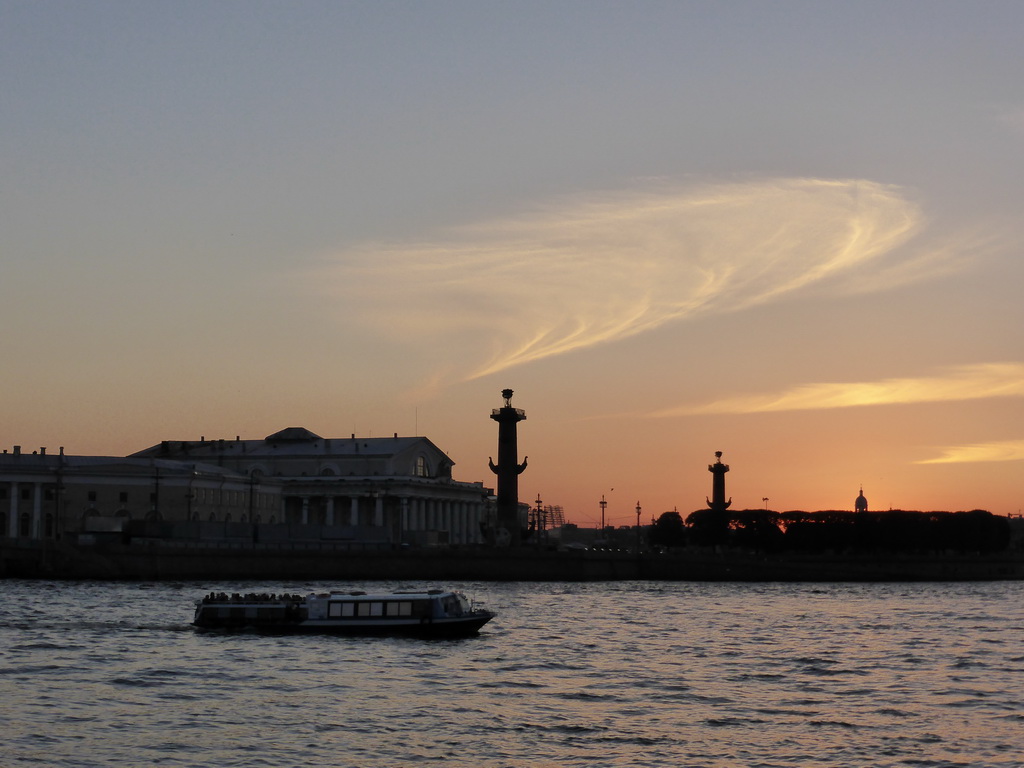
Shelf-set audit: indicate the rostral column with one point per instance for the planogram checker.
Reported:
(718, 470)
(508, 470)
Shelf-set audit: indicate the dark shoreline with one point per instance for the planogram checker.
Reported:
(160, 562)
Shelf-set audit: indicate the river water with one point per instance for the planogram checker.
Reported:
(596, 674)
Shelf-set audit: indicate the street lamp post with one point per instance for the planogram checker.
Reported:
(538, 524)
(603, 505)
(638, 528)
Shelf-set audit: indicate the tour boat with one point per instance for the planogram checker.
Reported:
(426, 613)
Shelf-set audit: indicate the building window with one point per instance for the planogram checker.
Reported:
(421, 467)
(24, 524)
(26, 494)
(92, 496)
(123, 497)
(48, 528)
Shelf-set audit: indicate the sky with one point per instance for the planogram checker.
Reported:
(786, 231)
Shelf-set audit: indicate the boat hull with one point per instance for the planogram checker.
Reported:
(433, 613)
(462, 627)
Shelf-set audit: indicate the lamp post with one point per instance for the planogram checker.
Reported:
(538, 524)
(638, 528)
(603, 505)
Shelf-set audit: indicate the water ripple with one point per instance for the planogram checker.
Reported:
(701, 675)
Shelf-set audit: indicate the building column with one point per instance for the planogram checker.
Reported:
(353, 514)
(475, 516)
(330, 510)
(305, 510)
(12, 522)
(463, 527)
(37, 511)
(378, 510)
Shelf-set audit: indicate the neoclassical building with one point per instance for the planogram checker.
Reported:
(396, 489)
(45, 496)
(292, 484)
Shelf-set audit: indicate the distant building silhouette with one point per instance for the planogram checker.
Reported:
(860, 504)
(718, 470)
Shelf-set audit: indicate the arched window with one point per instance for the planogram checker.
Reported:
(25, 524)
(48, 526)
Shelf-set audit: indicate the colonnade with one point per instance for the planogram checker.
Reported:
(461, 519)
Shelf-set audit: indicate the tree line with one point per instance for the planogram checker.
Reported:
(837, 531)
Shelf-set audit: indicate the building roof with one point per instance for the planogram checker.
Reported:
(293, 442)
(119, 465)
(289, 434)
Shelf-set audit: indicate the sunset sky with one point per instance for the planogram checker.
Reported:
(789, 231)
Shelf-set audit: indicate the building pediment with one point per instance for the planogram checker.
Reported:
(292, 435)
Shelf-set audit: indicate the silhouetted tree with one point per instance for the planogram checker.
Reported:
(755, 529)
(668, 531)
(708, 527)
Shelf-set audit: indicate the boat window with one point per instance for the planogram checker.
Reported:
(371, 609)
(399, 608)
(348, 609)
(334, 610)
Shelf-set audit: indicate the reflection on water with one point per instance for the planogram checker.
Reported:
(623, 674)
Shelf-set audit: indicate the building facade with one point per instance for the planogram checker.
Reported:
(49, 496)
(290, 485)
(389, 489)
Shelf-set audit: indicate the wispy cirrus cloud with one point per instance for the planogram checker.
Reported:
(599, 268)
(1002, 450)
(967, 382)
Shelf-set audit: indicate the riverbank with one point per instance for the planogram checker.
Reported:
(162, 561)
